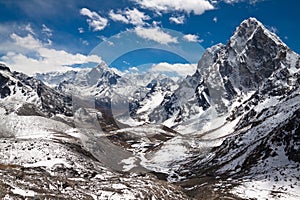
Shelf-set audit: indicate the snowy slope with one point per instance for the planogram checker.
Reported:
(44, 156)
(56, 169)
(226, 76)
(229, 131)
(28, 96)
(260, 158)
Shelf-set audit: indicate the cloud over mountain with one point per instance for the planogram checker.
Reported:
(35, 56)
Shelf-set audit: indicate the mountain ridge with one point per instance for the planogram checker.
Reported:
(231, 129)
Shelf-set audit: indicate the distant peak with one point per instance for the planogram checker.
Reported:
(102, 65)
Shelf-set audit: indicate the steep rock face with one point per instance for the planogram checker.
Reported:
(252, 55)
(177, 105)
(263, 149)
(272, 111)
(5, 91)
(4, 67)
(18, 91)
(155, 91)
(228, 73)
(102, 75)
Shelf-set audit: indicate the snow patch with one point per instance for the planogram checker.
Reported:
(129, 163)
(48, 163)
(24, 193)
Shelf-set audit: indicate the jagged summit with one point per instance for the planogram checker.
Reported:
(251, 30)
(3, 67)
(251, 21)
(226, 73)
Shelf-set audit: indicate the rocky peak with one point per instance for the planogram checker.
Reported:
(101, 67)
(3, 67)
(103, 73)
(251, 30)
(252, 54)
(26, 95)
(226, 73)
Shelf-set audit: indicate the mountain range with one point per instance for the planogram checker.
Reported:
(229, 131)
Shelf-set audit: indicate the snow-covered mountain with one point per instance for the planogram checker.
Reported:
(260, 158)
(226, 75)
(137, 94)
(229, 131)
(28, 96)
(239, 114)
(86, 81)
(50, 148)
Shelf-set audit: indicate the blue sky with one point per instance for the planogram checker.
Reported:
(40, 36)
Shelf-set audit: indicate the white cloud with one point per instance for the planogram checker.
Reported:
(177, 20)
(29, 29)
(34, 56)
(198, 7)
(28, 42)
(136, 17)
(81, 30)
(215, 19)
(238, 1)
(129, 16)
(118, 17)
(192, 38)
(156, 23)
(47, 30)
(135, 69)
(94, 20)
(180, 69)
(155, 34)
